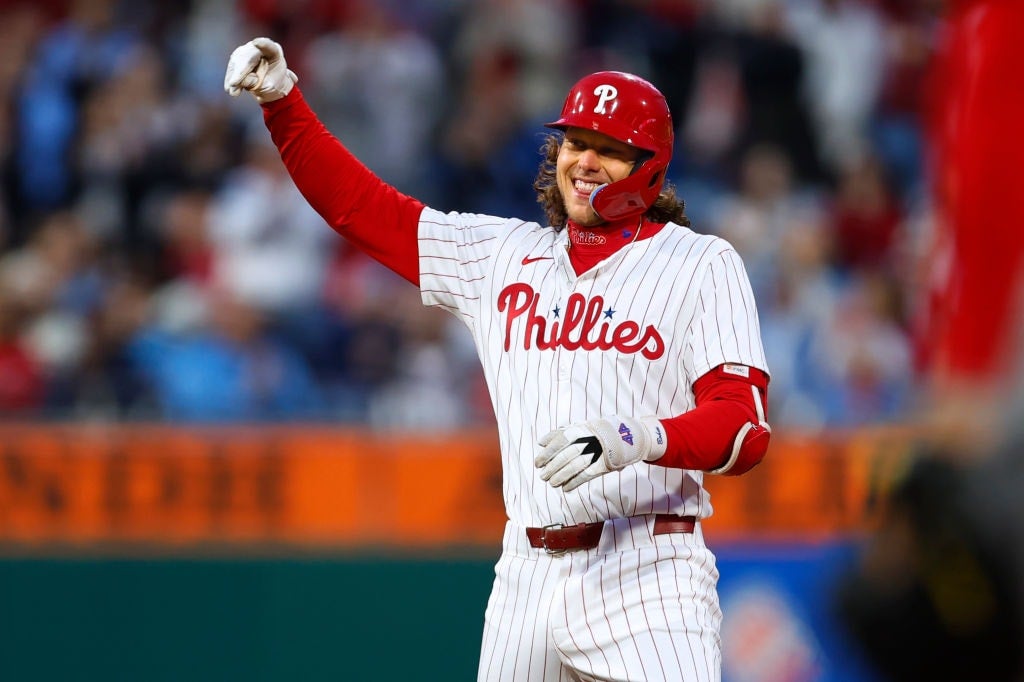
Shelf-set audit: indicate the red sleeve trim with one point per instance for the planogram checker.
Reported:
(371, 214)
(703, 438)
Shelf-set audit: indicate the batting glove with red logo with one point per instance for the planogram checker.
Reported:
(575, 454)
(259, 67)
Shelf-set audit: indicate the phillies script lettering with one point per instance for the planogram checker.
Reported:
(581, 326)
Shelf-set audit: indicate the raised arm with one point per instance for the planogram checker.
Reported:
(357, 204)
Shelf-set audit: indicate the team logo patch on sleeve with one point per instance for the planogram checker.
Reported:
(738, 370)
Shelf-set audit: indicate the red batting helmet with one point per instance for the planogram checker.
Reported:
(631, 110)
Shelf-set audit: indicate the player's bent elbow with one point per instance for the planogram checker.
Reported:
(749, 448)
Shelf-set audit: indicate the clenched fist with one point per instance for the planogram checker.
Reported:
(579, 453)
(259, 67)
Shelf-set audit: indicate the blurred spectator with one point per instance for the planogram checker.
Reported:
(486, 154)
(844, 45)
(897, 130)
(427, 392)
(713, 122)
(230, 370)
(866, 218)
(512, 62)
(675, 40)
(800, 304)
(755, 220)
(210, 30)
(181, 222)
(214, 145)
(763, 69)
(540, 33)
(368, 303)
(130, 131)
(377, 84)
(22, 388)
(269, 249)
(108, 384)
(56, 279)
(20, 27)
(861, 359)
(87, 48)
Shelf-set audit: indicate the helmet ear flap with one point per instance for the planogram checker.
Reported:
(634, 194)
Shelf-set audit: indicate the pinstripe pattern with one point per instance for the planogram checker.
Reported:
(630, 336)
(638, 607)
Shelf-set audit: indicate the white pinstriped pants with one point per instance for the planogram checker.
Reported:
(637, 607)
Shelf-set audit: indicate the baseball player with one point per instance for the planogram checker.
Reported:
(623, 356)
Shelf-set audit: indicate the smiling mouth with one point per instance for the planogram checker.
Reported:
(584, 187)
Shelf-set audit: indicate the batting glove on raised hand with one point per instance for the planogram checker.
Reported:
(259, 67)
(579, 453)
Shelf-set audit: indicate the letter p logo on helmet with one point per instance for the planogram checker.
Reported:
(605, 93)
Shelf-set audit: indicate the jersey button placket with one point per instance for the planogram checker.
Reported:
(563, 357)
(563, 390)
(563, 362)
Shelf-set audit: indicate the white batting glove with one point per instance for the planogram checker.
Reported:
(259, 67)
(579, 453)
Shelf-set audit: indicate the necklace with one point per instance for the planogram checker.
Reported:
(637, 233)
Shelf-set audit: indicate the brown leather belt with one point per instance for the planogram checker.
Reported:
(557, 538)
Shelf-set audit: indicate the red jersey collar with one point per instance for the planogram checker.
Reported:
(588, 246)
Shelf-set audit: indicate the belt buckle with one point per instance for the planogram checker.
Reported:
(544, 539)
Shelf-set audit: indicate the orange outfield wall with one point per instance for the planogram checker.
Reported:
(73, 486)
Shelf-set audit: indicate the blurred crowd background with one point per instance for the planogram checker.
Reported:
(156, 262)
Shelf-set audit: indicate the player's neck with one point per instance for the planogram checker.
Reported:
(604, 237)
(589, 245)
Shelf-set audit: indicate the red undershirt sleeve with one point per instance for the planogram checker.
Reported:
(361, 207)
(702, 439)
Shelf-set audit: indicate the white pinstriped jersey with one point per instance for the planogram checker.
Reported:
(630, 336)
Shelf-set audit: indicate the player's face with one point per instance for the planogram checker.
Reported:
(586, 160)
